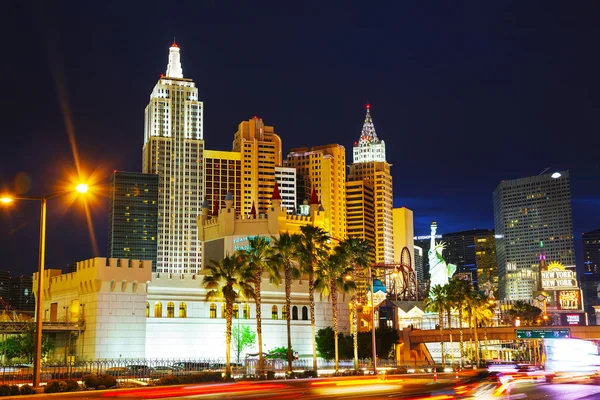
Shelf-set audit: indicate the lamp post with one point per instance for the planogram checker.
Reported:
(81, 188)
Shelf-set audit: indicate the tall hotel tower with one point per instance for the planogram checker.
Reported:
(260, 149)
(528, 211)
(173, 149)
(370, 166)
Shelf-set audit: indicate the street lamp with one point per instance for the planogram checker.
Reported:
(5, 199)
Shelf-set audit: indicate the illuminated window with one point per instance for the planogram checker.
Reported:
(304, 313)
(274, 312)
(182, 310)
(236, 311)
(147, 310)
(223, 310)
(294, 313)
(246, 311)
(283, 312)
(158, 310)
(213, 310)
(170, 310)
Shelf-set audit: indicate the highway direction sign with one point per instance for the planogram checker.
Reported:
(543, 333)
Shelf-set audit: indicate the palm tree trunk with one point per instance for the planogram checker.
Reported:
(442, 335)
(261, 360)
(450, 337)
(354, 321)
(476, 346)
(334, 298)
(288, 303)
(311, 301)
(462, 343)
(228, 323)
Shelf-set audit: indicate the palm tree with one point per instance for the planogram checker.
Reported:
(483, 315)
(436, 302)
(357, 251)
(258, 257)
(228, 279)
(332, 273)
(285, 256)
(312, 248)
(460, 288)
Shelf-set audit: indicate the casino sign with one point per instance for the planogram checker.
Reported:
(558, 277)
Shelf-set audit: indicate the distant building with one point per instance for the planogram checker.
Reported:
(222, 175)
(133, 216)
(369, 165)
(360, 216)
(260, 149)
(323, 168)
(529, 211)
(4, 285)
(590, 279)
(21, 294)
(418, 265)
(286, 180)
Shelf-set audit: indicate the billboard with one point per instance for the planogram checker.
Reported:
(558, 277)
(572, 319)
(569, 300)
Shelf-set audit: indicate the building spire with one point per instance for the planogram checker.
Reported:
(368, 134)
(174, 69)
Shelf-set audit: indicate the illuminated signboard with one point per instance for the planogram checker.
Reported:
(569, 300)
(243, 243)
(557, 276)
(543, 333)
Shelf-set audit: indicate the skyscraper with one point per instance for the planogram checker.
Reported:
(286, 180)
(323, 168)
(370, 166)
(528, 211)
(591, 255)
(260, 149)
(360, 216)
(173, 149)
(133, 216)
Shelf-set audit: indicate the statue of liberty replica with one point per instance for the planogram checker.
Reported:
(439, 271)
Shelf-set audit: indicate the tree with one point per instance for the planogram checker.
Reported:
(22, 346)
(229, 278)
(285, 256)
(258, 258)
(460, 289)
(525, 312)
(313, 247)
(386, 338)
(332, 272)
(242, 338)
(436, 302)
(357, 251)
(325, 343)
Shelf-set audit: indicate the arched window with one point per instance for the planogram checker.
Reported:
(304, 313)
(182, 310)
(213, 310)
(236, 311)
(283, 312)
(170, 310)
(223, 310)
(246, 311)
(158, 310)
(274, 313)
(294, 313)
(147, 310)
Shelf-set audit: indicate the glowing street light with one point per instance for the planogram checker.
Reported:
(5, 199)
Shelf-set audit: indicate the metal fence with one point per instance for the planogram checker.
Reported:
(153, 369)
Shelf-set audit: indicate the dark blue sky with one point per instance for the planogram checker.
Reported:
(465, 94)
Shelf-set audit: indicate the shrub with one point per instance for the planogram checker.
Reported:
(270, 375)
(107, 380)
(26, 389)
(90, 381)
(310, 374)
(72, 385)
(101, 387)
(55, 387)
(4, 390)
(14, 390)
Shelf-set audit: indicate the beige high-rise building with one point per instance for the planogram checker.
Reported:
(260, 149)
(404, 233)
(324, 169)
(173, 149)
(222, 172)
(360, 216)
(370, 167)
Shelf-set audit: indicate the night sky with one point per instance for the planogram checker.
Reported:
(465, 94)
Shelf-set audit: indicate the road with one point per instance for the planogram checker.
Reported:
(396, 387)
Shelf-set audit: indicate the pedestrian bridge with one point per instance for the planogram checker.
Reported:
(417, 336)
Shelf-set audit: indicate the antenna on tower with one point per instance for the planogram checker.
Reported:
(542, 173)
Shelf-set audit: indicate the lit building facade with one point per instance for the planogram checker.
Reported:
(591, 255)
(323, 168)
(370, 166)
(222, 175)
(286, 180)
(529, 211)
(260, 149)
(173, 149)
(360, 216)
(133, 216)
